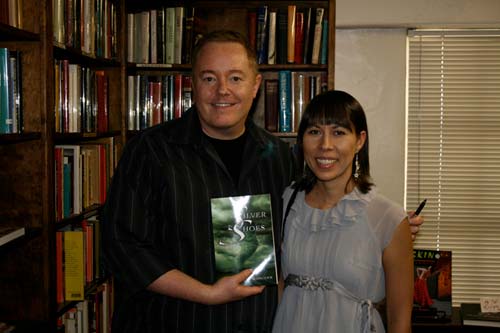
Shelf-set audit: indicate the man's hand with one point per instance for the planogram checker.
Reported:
(229, 288)
(415, 223)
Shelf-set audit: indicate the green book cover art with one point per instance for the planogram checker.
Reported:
(243, 238)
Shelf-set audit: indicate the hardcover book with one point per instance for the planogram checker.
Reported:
(432, 287)
(243, 238)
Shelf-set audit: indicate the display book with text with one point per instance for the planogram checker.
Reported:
(432, 286)
(243, 237)
(486, 313)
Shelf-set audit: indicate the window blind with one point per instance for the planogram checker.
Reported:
(453, 152)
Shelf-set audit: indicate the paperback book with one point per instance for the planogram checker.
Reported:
(243, 237)
(432, 286)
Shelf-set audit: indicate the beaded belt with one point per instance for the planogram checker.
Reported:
(314, 283)
(308, 282)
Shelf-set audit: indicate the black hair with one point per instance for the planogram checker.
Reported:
(339, 108)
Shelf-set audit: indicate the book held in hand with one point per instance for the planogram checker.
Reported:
(243, 237)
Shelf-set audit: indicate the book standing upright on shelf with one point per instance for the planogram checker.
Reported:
(243, 238)
(432, 287)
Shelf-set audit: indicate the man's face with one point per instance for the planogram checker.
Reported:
(224, 86)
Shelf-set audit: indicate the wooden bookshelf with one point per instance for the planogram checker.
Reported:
(28, 192)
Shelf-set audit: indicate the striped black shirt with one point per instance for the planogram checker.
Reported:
(157, 218)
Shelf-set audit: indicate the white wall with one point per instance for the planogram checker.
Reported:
(371, 65)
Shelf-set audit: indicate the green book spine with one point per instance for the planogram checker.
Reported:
(243, 238)
(4, 92)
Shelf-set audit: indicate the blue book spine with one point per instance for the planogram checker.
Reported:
(4, 92)
(262, 35)
(285, 111)
(323, 57)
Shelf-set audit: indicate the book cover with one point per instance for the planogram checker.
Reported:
(243, 238)
(432, 287)
(471, 315)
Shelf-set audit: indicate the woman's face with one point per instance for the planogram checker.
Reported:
(329, 151)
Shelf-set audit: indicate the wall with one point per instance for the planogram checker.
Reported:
(371, 65)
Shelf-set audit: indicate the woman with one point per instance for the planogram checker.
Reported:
(346, 247)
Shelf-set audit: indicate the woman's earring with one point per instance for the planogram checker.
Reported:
(357, 168)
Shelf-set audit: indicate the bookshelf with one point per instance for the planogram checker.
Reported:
(29, 191)
(30, 196)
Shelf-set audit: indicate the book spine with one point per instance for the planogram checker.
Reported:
(156, 102)
(285, 112)
(252, 29)
(323, 57)
(307, 36)
(318, 29)
(299, 38)
(188, 36)
(271, 105)
(292, 10)
(170, 34)
(179, 34)
(262, 19)
(271, 46)
(5, 125)
(282, 37)
(74, 276)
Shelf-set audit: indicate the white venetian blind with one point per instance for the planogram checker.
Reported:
(453, 152)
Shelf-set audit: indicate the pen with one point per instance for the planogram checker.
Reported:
(420, 207)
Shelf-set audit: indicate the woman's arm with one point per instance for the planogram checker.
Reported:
(398, 267)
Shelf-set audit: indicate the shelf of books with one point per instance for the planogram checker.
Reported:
(293, 43)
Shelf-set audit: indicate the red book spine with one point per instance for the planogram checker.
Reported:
(157, 107)
(177, 96)
(252, 29)
(299, 38)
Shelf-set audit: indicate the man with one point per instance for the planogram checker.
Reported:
(157, 239)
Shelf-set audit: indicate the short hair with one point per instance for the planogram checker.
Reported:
(229, 36)
(340, 108)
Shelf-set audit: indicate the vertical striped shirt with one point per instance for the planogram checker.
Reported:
(157, 218)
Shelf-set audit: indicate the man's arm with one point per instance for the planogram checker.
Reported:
(177, 284)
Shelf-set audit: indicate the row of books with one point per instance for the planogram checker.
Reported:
(163, 36)
(11, 113)
(82, 175)
(11, 13)
(81, 99)
(87, 25)
(156, 99)
(286, 94)
(91, 315)
(279, 36)
(289, 36)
